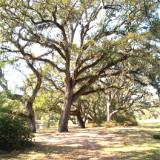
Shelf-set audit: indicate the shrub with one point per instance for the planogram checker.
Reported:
(156, 136)
(14, 133)
(110, 124)
(92, 125)
(126, 119)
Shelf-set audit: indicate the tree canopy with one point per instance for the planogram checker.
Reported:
(81, 42)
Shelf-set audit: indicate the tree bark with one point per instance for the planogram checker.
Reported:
(108, 112)
(81, 123)
(63, 123)
(108, 106)
(31, 117)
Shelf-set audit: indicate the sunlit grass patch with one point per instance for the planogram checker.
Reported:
(119, 143)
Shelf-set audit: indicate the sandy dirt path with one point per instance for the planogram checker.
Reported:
(119, 143)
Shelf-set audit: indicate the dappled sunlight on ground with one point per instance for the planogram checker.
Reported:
(118, 143)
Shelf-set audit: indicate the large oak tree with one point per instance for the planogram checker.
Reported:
(84, 40)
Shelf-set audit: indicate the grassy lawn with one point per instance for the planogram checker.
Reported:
(118, 143)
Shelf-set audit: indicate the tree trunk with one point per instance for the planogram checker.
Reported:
(80, 120)
(63, 123)
(108, 106)
(108, 112)
(31, 117)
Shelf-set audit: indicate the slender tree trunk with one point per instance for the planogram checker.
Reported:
(108, 106)
(108, 112)
(31, 117)
(63, 123)
(80, 120)
(112, 114)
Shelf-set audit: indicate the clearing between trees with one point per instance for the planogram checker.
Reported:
(99, 143)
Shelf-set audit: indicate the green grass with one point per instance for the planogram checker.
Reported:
(117, 143)
(151, 125)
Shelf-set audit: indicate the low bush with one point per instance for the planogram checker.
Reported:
(92, 125)
(110, 124)
(14, 133)
(156, 136)
(126, 119)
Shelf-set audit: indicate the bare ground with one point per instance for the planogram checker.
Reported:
(118, 143)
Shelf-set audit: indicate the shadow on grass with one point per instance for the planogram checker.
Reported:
(45, 152)
(67, 152)
(153, 154)
(99, 143)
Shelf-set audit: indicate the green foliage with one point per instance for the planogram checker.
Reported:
(7, 105)
(156, 136)
(155, 28)
(110, 42)
(93, 106)
(47, 105)
(126, 119)
(14, 133)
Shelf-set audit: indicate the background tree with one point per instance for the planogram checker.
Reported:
(26, 98)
